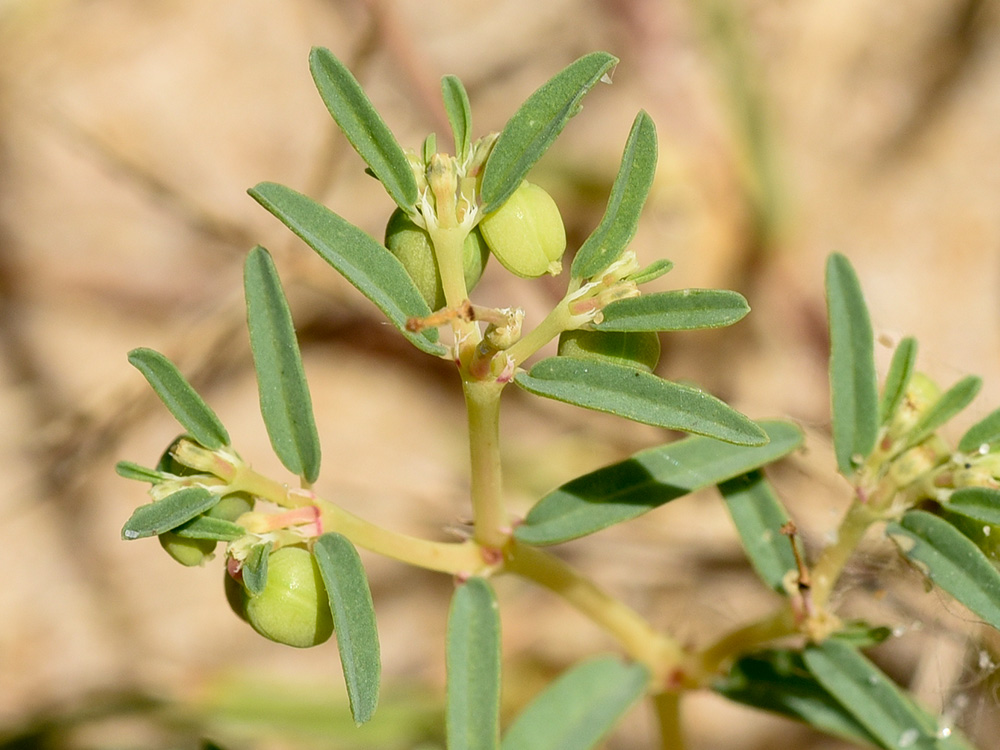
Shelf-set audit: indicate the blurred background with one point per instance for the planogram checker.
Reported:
(129, 132)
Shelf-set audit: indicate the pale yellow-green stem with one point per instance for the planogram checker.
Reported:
(707, 664)
(661, 654)
(489, 513)
(456, 558)
(557, 321)
(834, 557)
(668, 717)
(449, 243)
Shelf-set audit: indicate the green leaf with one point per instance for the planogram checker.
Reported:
(168, 513)
(759, 516)
(429, 147)
(533, 128)
(628, 195)
(579, 708)
(354, 621)
(255, 568)
(984, 432)
(639, 396)
(473, 664)
(951, 403)
(680, 310)
(904, 360)
(206, 527)
(130, 470)
(978, 503)
(372, 269)
(646, 481)
(778, 681)
(950, 560)
(180, 398)
(364, 127)
(456, 104)
(653, 271)
(873, 700)
(853, 383)
(285, 403)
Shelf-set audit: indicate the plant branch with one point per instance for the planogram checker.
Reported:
(482, 401)
(668, 716)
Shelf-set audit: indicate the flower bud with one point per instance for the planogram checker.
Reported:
(412, 245)
(639, 349)
(293, 607)
(188, 552)
(526, 234)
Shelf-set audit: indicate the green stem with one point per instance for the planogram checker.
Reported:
(551, 326)
(449, 244)
(668, 716)
(716, 658)
(464, 558)
(660, 653)
(832, 560)
(482, 401)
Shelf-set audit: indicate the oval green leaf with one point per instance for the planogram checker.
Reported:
(533, 128)
(647, 480)
(473, 665)
(206, 527)
(978, 503)
(759, 516)
(873, 700)
(285, 402)
(628, 195)
(951, 403)
(373, 270)
(180, 398)
(950, 560)
(680, 310)
(653, 271)
(984, 432)
(354, 621)
(131, 470)
(456, 105)
(778, 681)
(579, 708)
(168, 513)
(639, 396)
(364, 127)
(853, 382)
(904, 360)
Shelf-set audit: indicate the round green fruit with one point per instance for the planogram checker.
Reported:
(412, 246)
(526, 234)
(189, 552)
(639, 349)
(293, 607)
(231, 507)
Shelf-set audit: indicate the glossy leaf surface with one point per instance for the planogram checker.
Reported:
(536, 124)
(853, 383)
(947, 406)
(473, 664)
(456, 105)
(364, 127)
(639, 396)
(285, 402)
(372, 269)
(950, 560)
(579, 708)
(180, 398)
(904, 360)
(984, 432)
(646, 481)
(354, 621)
(628, 195)
(168, 513)
(778, 681)
(680, 310)
(758, 516)
(874, 701)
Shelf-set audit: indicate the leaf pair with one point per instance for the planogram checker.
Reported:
(575, 711)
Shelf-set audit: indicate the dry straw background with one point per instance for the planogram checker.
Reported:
(129, 132)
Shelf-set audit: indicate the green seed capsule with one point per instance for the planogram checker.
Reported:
(639, 349)
(526, 234)
(293, 607)
(232, 506)
(412, 245)
(188, 552)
